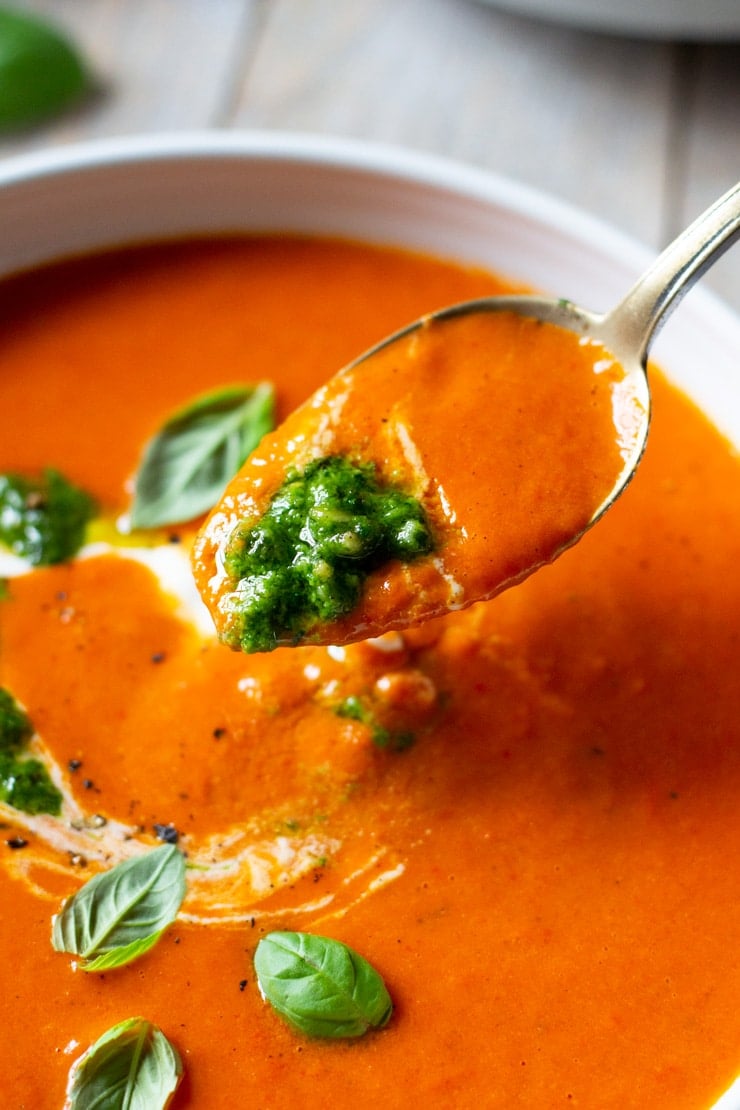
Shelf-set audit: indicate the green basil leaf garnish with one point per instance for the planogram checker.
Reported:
(321, 986)
(41, 72)
(131, 1067)
(188, 463)
(120, 914)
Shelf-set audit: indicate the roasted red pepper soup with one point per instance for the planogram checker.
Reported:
(508, 432)
(543, 870)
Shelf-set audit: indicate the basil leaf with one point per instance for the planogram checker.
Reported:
(131, 1067)
(41, 72)
(124, 954)
(321, 986)
(120, 914)
(187, 465)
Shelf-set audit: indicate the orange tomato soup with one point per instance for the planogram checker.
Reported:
(544, 877)
(508, 431)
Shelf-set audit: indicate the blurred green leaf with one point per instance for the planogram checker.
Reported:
(41, 71)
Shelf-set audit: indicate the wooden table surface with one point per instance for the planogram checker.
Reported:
(642, 133)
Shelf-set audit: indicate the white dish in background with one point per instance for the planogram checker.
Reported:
(664, 19)
(70, 200)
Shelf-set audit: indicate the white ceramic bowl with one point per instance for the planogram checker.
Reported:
(74, 199)
(71, 200)
(664, 19)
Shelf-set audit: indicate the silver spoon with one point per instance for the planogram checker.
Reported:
(346, 406)
(628, 330)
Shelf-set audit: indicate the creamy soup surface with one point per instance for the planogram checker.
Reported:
(541, 871)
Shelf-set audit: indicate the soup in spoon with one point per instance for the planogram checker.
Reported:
(441, 468)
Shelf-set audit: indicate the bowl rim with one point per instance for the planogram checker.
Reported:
(342, 153)
(310, 148)
(707, 333)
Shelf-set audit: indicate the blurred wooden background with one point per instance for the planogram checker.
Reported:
(642, 133)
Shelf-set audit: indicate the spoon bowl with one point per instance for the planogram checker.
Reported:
(627, 330)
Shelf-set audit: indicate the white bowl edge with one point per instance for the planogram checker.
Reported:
(113, 191)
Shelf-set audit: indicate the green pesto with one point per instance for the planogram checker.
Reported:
(353, 708)
(15, 727)
(43, 519)
(24, 783)
(306, 561)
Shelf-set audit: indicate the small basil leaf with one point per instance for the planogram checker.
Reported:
(189, 462)
(131, 1067)
(321, 986)
(120, 914)
(41, 72)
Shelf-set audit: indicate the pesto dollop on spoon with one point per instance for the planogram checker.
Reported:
(306, 559)
(446, 464)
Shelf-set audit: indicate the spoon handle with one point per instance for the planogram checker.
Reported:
(648, 304)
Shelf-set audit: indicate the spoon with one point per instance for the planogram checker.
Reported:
(628, 329)
(516, 421)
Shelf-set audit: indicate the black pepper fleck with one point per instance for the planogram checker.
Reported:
(242, 984)
(168, 833)
(158, 657)
(16, 842)
(74, 764)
